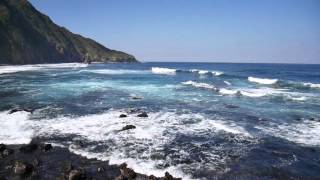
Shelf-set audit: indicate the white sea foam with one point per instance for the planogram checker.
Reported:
(262, 92)
(228, 83)
(14, 69)
(115, 71)
(15, 128)
(217, 73)
(311, 85)
(199, 85)
(203, 72)
(228, 91)
(158, 70)
(306, 132)
(36, 67)
(262, 80)
(150, 136)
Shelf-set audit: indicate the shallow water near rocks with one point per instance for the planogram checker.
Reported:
(204, 120)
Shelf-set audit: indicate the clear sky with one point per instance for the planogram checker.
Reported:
(286, 31)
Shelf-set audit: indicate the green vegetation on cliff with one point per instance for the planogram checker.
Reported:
(29, 37)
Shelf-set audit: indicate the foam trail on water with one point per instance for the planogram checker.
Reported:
(311, 85)
(15, 128)
(158, 70)
(262, 80)
(228, 83)
(37, 67)
(199, 85)
(115, 72)
(14, 69)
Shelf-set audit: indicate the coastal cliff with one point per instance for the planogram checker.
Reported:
(30, 37)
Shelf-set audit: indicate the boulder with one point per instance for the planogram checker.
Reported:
(127, 127)
(143, 114)
(168, 176)
(127, 173)
(122, 116)
(46, 147)
(7, 152)
(136, 98)
(22, 168)
(2, 147)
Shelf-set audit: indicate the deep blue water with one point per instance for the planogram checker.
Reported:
(206, 120)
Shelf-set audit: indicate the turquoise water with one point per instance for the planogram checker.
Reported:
(205, 119)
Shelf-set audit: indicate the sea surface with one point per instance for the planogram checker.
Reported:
(205, 120)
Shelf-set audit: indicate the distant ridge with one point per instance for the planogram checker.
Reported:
(30, 37)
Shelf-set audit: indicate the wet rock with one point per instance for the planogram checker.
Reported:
(133, 110)
(126, 173)
(127, 127)
(143, 114)
(77, 174)
(7, 152)
(29, 148)
(152, 177)
(46, 147)
(230, 106)
(136, 98)
(2, 147)
(100, 169)
(22, 168)
(168, 176)
(122, 116)
(20, 109)
(36, 162)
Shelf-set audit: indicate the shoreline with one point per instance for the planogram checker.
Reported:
(39, 160)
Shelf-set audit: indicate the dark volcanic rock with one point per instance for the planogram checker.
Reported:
(230, 106)
(29, 37)
(7, 152)
(77, 174)
(143, 114)
(22, 168)
(122, 116)
(127, 127)
(29, 148)
(4, 151)
(20, 109)
(126, 173)
(2, 147)
(46, 147)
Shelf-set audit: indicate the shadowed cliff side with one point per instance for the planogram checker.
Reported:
(30, 37)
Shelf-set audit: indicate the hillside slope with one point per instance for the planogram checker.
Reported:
(30, 37)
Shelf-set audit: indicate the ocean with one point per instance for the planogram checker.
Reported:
(205, 120)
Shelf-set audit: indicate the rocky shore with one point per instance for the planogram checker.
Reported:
(44, 161)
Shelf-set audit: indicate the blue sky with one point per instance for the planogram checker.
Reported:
(283, 31)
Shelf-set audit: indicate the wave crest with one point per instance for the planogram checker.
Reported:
(158, 70)
(262, 80)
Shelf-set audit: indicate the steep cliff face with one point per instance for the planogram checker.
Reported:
(28, 37)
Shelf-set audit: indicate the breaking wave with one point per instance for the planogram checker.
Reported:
(199, 85)
(168, 71)
(262, 80)
(37, 67)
